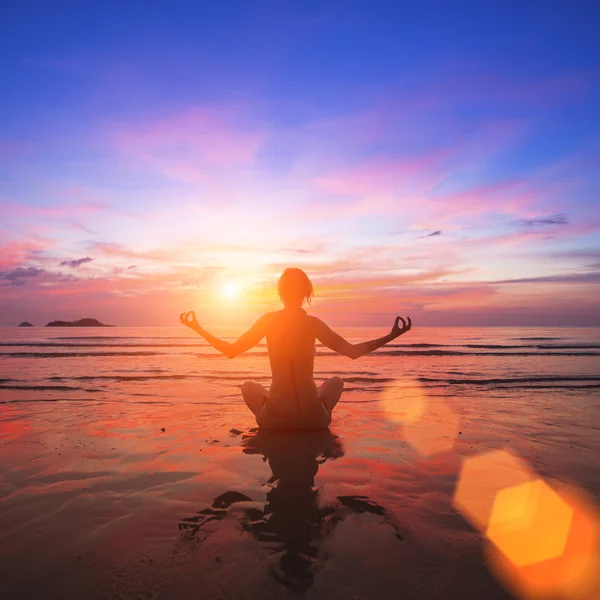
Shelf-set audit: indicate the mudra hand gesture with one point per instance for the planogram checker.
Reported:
(406, 325)
(189, 319)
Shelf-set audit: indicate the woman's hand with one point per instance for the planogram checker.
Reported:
(406, 325)
(189, 320)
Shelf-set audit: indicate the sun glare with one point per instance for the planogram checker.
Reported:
(230, 290)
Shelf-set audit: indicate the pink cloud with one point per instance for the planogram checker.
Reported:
(411, 184)
(513, 198)
(378, 175)
(14, 254)
(18, 210)
(388, 186)
(407, 190)
(185, 146)
(116, 250)
(423, 116)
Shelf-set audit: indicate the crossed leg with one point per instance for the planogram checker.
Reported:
(330, 391)
(254, 395)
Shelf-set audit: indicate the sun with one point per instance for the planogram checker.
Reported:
(230, 290)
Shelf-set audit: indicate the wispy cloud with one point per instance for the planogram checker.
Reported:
(585, 277)
(114, 249)
(556, 219)
(75, 262)
(188, 146)
(65, 209)
(19, 276)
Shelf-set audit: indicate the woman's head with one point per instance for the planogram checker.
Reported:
(294, 287)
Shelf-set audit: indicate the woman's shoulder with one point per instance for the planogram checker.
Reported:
(283, 315)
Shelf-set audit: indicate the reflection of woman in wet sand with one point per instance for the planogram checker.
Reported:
(293, 401)
(292, 523)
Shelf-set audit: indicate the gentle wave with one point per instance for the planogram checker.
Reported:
(62, 345)
(76, 354)
(211, 377)
(536, 346)
(367, 379)
(199, 344)
(536, 339)
(575, 352)
(47, 388)
(459, 353)
(120, 377)
(539, 383)
(118, 337)
(17, 384)
(558, 387)
(88, 400)
(550, 379)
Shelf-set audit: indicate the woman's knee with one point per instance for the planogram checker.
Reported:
(254, 395)
(334, 386)
(251, 387)
(338, 382)
(331, 392)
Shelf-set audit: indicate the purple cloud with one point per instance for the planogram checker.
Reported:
(75, 262)
(556, 219)
(589, 277)
(23, 272)
(19, 276)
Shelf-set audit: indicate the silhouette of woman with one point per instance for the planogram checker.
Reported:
(293, 401)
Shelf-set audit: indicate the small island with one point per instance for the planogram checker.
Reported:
(87, 322)
(25, 324)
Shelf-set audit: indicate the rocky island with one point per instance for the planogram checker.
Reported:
(25, 324)
(87, 322)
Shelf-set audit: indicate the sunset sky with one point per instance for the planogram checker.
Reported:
(437, 159)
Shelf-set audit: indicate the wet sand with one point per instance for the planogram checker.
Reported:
(102, 500)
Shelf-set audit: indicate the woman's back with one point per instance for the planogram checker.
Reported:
(291, 343)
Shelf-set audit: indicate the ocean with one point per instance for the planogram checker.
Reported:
(171, 364)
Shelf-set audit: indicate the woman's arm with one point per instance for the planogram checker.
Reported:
(338, 344)
(230, 350)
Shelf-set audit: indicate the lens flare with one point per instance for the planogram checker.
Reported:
(481, 478)
(572, 575)
(403, 401)
(542, 538)
(529, 523)
(429, 425)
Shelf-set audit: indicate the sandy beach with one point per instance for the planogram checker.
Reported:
(166, 500)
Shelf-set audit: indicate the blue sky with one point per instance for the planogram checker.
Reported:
(208, 143)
